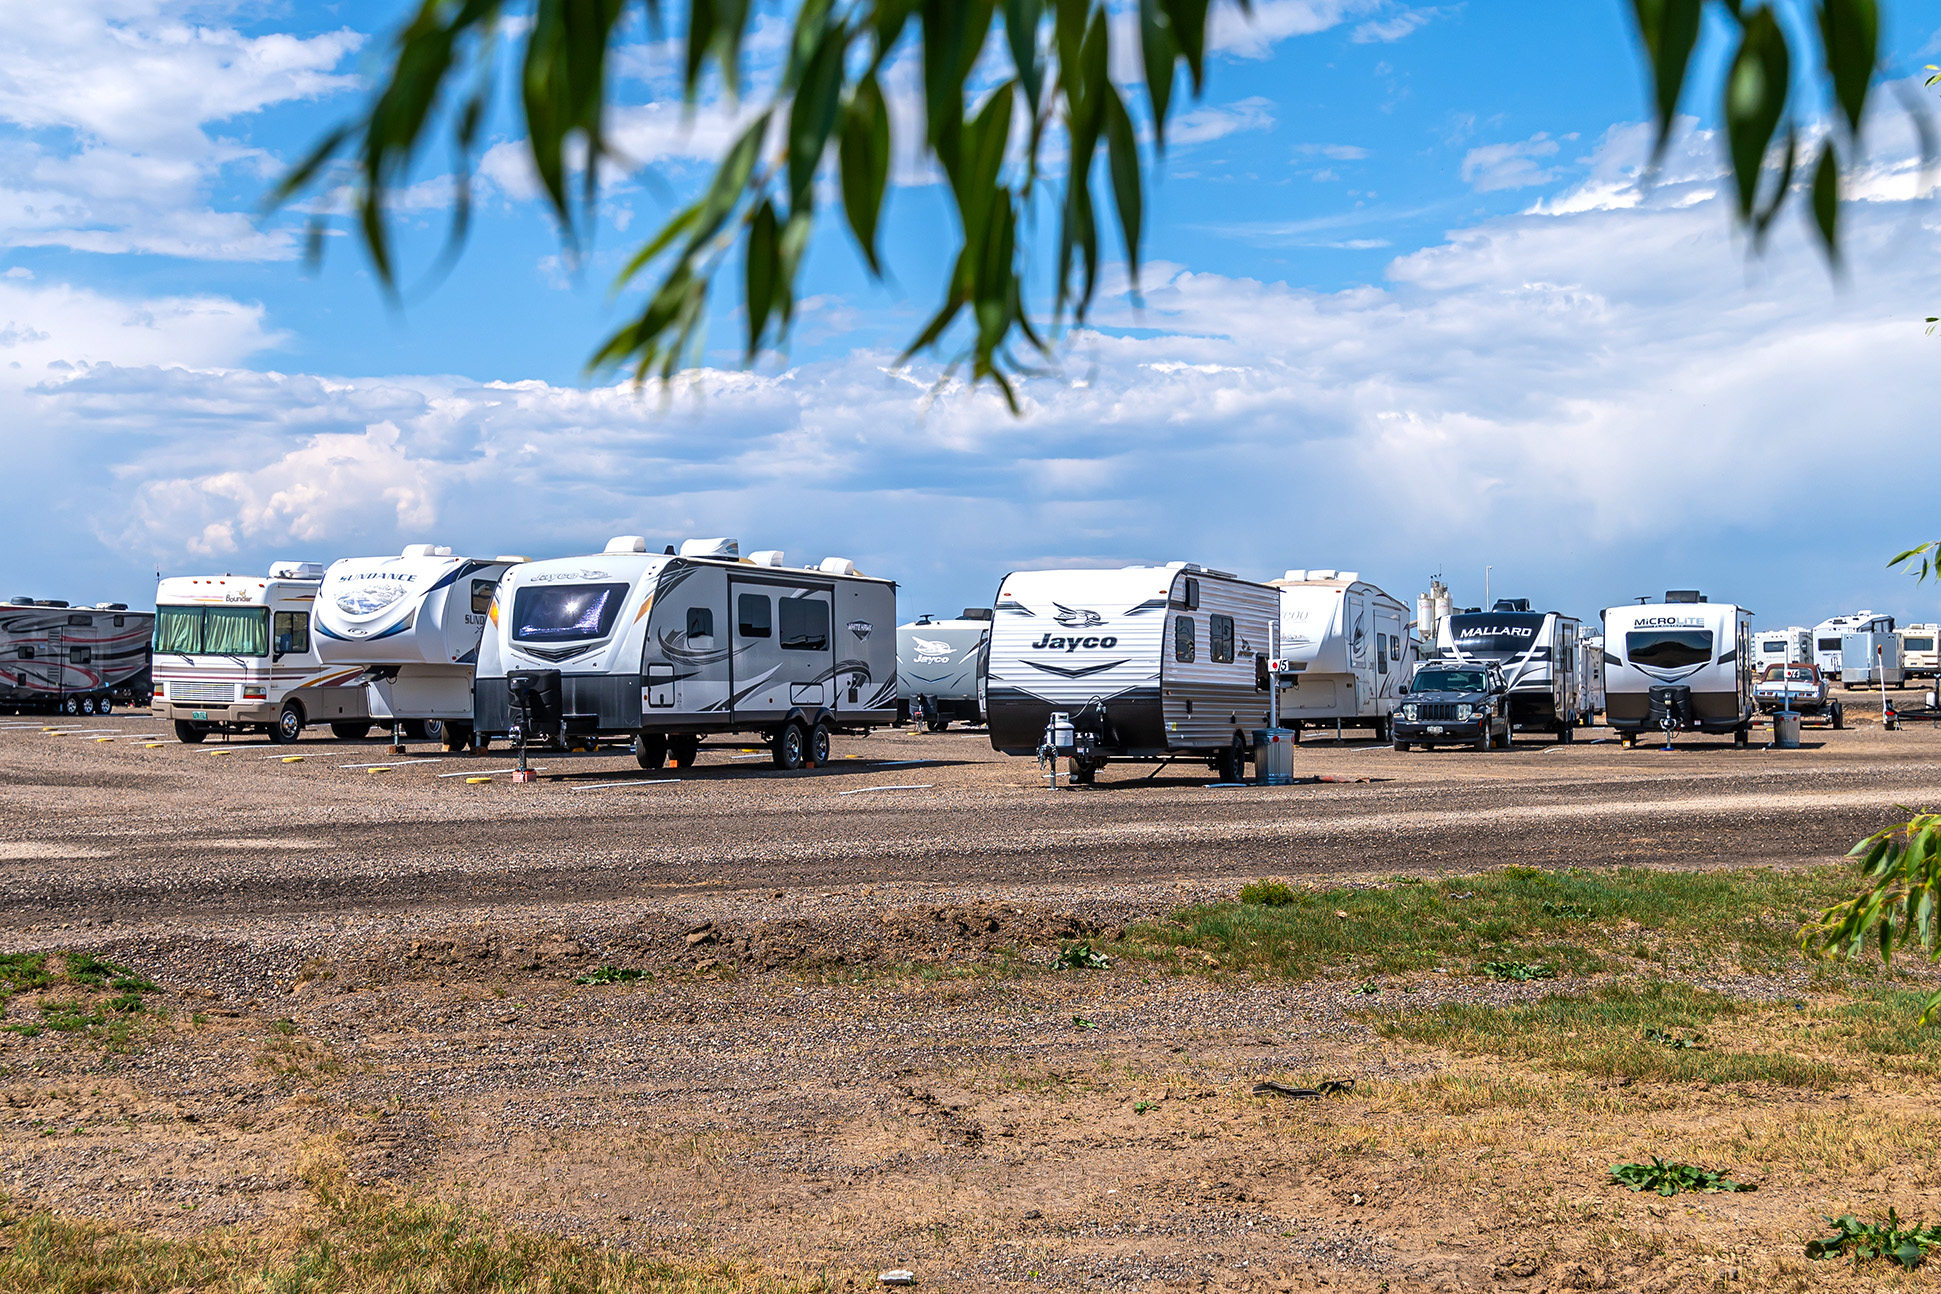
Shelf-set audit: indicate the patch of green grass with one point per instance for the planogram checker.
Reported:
(23, 972)
(1576, 920)
(1268, 894)
(614, 975)
(94, 972)
(1081, 957)
(1519, 972)
(1603, 1033)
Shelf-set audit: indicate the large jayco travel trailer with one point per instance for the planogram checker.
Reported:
(1537, 651)
(940, 668)
(235, 653)
(1681, 665)
(412, 622)
(1348, 649)
(1828, 636)
(1790, 646)
(75, 660)
(1147, 662)
(670, 648)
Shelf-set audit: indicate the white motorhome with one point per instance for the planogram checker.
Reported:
(1684, 664)
(1789, 646)
(940, 668)
(72, 659)
(1347, 647)
(1590, 677)
(1870, 660)
(413, 623)
(1919, 657)
(1537, 651)
(1147, 662)
(670, 648)
(1828, 634)
(235, 653)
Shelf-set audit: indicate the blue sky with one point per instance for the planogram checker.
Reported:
(1407, 312)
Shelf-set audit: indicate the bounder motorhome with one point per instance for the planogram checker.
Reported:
(235, 653)
(74, 660)
(413, 623)
(1919, 659)
(1537, 651)
(670, 648)
(1348, 649)
(1145, 662)
(940, 668)
(1681, 665)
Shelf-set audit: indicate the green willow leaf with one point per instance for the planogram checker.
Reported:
(1670, 32)
(863, 155)
(761, 274)
(1123, 151)
(1850, 35)
(1755, 99)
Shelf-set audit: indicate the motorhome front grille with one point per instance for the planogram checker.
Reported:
(201, 691)
(1439, 710)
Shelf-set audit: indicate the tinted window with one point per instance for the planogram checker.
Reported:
(482, 596)
(25, 651)
(1829, 644)
(1185, 643)
(236, 631)
(1219, 638)
(178, 629)
(752, 615)
(83, 621)
(80, 655)
(292, 631)
(1920, 644)
(118, 622)
(565, 612)
(700, 622)
(1450, 680)
(805, 625)
(1670, 648)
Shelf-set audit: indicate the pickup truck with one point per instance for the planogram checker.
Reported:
(1449, 705)
(1801, 688)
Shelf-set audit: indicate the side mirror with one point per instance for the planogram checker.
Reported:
(1402, 689)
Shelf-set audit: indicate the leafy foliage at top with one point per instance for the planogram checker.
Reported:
(1900, 869)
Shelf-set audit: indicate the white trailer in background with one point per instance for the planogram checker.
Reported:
(1590, 678)
(235, 653)
(1870, 660)
(72, 659)
(1919, 657)
(1828, 637)
(1347, 648)
(1684, 664)
(412, 623)
(1144, 663)
(1537, 651)
(1792, 645)
(940, 668)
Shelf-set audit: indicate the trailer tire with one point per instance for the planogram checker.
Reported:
(790, 746)
(1084, 774)
(1381, 730)
(1839, 715)
(936, 725)
(350, 731)
(481, 741)
(103, 705)
(650, 749)
(684, 746)
(819, 745)
(421, 729)
(456, 737)
(71, 706)
(289, 724)
(1231, 763)
(1564, 733)
(189, 734)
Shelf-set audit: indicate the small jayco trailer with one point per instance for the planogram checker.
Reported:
(1145, 662)
(235, 653)
(1828, 636)
(940, 668)
(1919, 659)
(1790, 646)
(1681, 665)
(1347, 647)
(412, 623)
(669, 648)
(1538, 654)
(1870, 660)
(73, 660)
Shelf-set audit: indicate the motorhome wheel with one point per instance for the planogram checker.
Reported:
(350, 731)
(650, 749)
(189, 734)
(289, 724)
(819, 745)
(789, 745)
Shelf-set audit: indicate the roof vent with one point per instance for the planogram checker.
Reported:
(1295, 577)
(1347, 577)
(724, 548)
(976, 613)
(421, 550)
(50, 602)
(1511, 604)
(837, 566)
(767, 557)
(505, 557)
(626, 544)
(1683, 595)
(111, 606)
(20, 602)
(287, 570)
(1323, 575)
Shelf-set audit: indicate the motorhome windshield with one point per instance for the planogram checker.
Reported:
(1797, 674)
(1450, 680)
(213, 631)
(1829, 644)
(1496, 633)
(1668, 648)
(1918, 644)
(563, 613)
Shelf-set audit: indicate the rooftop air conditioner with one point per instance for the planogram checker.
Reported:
(727, 548)
(767, 557)
(288, 570)
(626, 544)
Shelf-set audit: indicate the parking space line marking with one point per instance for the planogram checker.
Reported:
(918, 786)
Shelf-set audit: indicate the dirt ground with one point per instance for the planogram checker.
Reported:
(850, 1052)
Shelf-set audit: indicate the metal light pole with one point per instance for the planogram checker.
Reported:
(1486, 574)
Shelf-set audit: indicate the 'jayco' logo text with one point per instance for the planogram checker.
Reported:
(1049, 643)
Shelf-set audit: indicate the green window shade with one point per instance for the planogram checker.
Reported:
(178, 629)
(237, 631)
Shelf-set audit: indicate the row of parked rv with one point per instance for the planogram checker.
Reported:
(664, 650)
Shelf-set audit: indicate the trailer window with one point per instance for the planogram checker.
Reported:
(236, 631)
(700, 623)
(565, 612)
(1669, 648)
(118, 621)
(80, 655)
(482, 591)
(1219, 638)
(1829, 644)
(805, 625)
(178, 630)
(81, 622)
(752, 615)
(1918, 644)
(1185, 643)
(1381, 653)
(25, 651)
(292, 631)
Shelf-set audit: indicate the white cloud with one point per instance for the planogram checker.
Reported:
(1202, 125)
(1509, 166)
(1394, 27)
(1334, 152)
(1255, 33)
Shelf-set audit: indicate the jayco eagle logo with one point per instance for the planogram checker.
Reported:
(1077, 617)
(930, 651)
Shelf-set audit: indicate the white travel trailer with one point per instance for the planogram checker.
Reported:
(1590, 677)
(1347, 647)
(1828, 635)
(74, 660)
(1681, 665)
(234, 653)
(1870, 660)
(1919, 658)
(940, 668)
(1538, 653)
(670, 648)
(1146, 663)
(1789, 646)
(413, 623)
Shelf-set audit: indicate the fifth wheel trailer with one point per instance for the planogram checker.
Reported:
(1537, 651)
(1684, 664)
(669, 648)
(1145, 662)
(72, 659)
(1348, 649)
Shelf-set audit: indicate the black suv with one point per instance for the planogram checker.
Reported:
(1450, 704)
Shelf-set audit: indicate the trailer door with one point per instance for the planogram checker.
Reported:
(804, 629)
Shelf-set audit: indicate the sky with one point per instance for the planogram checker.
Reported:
(1407, 310)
